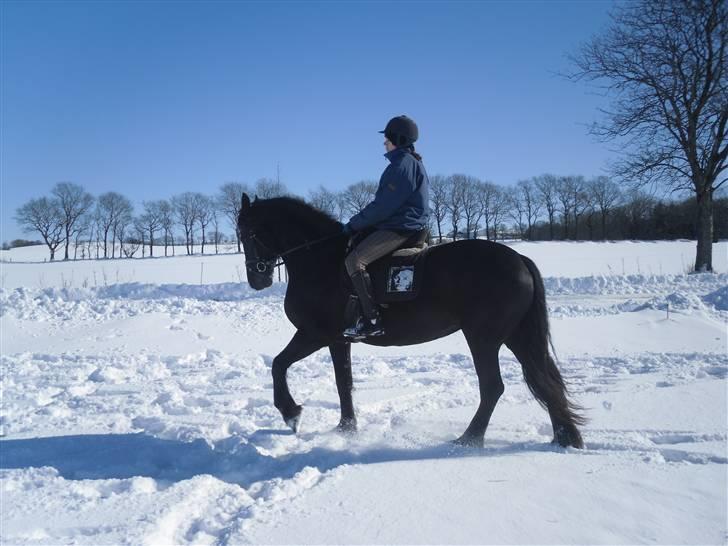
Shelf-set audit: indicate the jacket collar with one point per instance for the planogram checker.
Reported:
(395, 153)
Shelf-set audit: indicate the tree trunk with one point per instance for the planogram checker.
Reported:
(704, 254)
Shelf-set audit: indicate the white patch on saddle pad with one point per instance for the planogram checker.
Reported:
(401, 279)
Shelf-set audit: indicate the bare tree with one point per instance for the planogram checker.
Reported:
(666, 64)
(229, 199)
(517, 212)
(359, 195)
(166, 222)
(565, 198)
(532, 204)
(83, 226)
(454, 203)
(524, 207)
(499, 209)
(151, 221)
(638, 205)
(580, 200)
(468, 189)
(94, 233)
(341, 208)
(130, 247)
(123, 228)
(74, 201)
(108, 207)
(205, 213)
(44, 216)
(492, 207)
(140, 232)
(605, 195)
(120, 227)
(185, 209)
(265, 188)
(217, 237)
(589, 216)
(546, 186)
(323, 199)
(438, 202)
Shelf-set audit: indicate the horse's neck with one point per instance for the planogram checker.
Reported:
(320, 261)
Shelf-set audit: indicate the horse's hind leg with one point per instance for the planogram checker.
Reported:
(485, 359)
(545, 382)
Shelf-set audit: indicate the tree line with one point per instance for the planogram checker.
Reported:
(107, 226)
(545, 207)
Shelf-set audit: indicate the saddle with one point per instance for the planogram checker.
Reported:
(398, 276)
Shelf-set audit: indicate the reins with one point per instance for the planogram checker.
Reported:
(269, 263)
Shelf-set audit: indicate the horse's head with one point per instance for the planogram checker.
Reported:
(259, 258)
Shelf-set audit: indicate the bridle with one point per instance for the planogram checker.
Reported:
(262, 266)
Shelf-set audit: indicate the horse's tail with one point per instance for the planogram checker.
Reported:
(530, 344)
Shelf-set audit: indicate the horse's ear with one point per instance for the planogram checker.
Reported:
(256, 198)
(245, 202)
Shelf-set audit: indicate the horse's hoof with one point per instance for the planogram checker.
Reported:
(347, 427)
(469, 441)
(294, 422)
(568, 436)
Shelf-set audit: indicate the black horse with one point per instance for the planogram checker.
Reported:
(487, 290)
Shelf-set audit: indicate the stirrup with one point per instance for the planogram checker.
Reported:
(364, 328)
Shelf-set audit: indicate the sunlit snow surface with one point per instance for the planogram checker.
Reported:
(137, 409)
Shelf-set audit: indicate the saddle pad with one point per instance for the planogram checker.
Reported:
(398, 277)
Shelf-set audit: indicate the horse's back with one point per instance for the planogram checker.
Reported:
(469, 282)
(477, 264)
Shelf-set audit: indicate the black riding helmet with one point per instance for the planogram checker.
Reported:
(401, 131)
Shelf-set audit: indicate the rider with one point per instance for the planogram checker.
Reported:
(400, 209)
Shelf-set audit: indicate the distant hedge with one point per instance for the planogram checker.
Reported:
(18, 243)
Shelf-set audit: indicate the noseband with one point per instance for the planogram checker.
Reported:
(258, 264)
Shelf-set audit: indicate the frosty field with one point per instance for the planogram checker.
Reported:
(137, 409)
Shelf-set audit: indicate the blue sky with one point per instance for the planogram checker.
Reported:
(156, 98)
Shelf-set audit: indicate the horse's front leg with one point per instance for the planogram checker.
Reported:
(299, 347)
(341, 357)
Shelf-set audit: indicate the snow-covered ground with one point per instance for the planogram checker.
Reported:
(137, 409)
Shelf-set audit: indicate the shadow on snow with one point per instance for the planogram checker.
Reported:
(122, 456)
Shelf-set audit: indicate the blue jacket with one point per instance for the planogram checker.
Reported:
(402, 199)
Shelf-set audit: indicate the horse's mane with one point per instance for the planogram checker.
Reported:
(298, 212)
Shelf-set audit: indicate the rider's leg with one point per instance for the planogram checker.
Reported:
(378, 244)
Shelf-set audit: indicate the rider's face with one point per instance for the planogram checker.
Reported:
(388, 145)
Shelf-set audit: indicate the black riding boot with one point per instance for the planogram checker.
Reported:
(369, 324)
